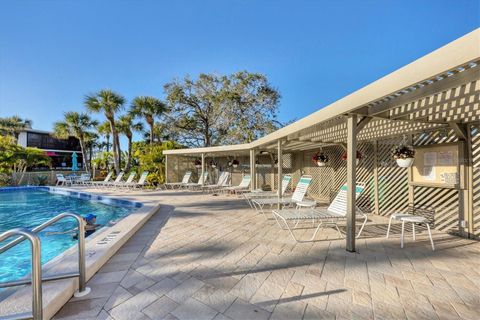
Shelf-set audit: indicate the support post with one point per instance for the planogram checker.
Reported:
(279, 170)
(166, 168)
(351, 180)
(376, 193)
(411, 191)
(253, 171)
(203, 169)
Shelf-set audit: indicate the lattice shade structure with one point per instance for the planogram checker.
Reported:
(432, 101)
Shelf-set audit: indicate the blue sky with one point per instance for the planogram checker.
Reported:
(52, 53)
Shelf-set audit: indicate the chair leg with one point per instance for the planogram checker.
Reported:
(363, 225)
(401, 239)
(320, 226)
(430, 235)
(389, 224)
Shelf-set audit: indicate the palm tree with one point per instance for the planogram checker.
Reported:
(104, 130)
(126, 126)
(77, 125)
(13, 125)
(108, 102)
(148, 108)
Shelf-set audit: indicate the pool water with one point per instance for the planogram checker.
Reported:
(29, 208)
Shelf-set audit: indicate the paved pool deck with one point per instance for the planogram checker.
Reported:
(212, 257)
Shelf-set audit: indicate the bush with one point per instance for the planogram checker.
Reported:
(5, 180)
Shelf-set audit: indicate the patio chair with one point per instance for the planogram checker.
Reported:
(256, 194)
(297, 197)
(61, 180)
(222, 181)
(185, 180)
(122, 184)
(117, 180)
(142, 181)
(192, 186)
(337, 210)
(107, 179)
(244, 184)
(83, 179)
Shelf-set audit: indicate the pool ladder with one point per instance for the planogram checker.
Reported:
(36, 278)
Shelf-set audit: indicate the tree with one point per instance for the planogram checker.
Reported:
(108, 102)
(13, 125)
(222, 109)
(148, 108)
(76, 125)
(126, 126)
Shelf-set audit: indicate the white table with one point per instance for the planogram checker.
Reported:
(415, 219)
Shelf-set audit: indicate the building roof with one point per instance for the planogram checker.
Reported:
(440, 89)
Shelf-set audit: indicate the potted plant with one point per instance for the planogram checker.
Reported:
(404, 155)
(320, 159)
(213, 164)
(235, 163)
(358, 157)
(197, 163)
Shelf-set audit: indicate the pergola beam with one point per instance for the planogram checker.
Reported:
(459, 130)
(427, 90)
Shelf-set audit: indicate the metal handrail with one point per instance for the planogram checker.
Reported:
(36, 247)
(25, 234)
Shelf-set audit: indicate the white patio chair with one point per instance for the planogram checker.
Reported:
(107, 179)
(336, 211)
(140, 183)
(257, 194)
(192, 186)
(123, 184)
(117, 180)
(297, 197)
(222, 181)
(185, 180)
(244, 184)
(61, 180)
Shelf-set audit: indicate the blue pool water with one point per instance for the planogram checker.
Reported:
(29, 207)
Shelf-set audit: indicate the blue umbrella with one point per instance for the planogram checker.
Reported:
(74, 162)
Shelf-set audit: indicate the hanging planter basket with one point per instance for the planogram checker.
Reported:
(235, 163)
(404, 155)
(198, 164)
(320, 159)
(357, 160)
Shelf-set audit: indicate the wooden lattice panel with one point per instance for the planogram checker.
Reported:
(476, 179)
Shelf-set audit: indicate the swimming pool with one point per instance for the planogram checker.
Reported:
(31, 206)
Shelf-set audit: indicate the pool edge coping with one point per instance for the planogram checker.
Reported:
(98, 253)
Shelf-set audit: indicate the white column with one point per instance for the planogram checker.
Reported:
(203, 169)
(166, 168)
(351, 180)
(253, 171)
(279, 170)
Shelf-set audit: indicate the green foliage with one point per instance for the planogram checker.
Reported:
(5, 180)
(214, 109)
(42, 180)
(150, 158)
(13, 125)
(10, 153)
(148, 108)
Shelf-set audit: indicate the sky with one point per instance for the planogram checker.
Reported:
(53, 53)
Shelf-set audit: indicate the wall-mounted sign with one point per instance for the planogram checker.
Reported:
(437, 166)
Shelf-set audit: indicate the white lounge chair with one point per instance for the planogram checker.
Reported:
(256, 194)
(336, 211)
(223, 180)
(117, 180)
(107, 179)
(61, 180)
(244, 184)
(296, 198)
(122, 184)
(185, 180)
(83, 179)
(140, 183)
(192, 186)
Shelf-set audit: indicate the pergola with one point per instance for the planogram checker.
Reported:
(440, 91)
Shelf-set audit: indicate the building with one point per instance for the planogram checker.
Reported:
(59, 150)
